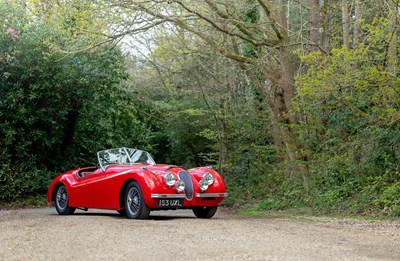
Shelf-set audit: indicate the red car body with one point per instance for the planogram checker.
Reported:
(106, 187)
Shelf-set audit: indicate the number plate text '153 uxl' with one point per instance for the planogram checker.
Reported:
(170, 203)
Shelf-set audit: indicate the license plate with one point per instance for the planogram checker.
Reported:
(168, 203)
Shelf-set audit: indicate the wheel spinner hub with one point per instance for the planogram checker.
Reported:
(133, 200)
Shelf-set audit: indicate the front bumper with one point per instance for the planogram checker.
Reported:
(211, 195)
(198, 195)
(199, 200)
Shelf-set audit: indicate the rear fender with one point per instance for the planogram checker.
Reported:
(59, 180)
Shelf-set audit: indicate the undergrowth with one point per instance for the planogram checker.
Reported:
(370, 196)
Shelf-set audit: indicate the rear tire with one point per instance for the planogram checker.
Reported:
(61, 199)
(205, 212)
(135, 207)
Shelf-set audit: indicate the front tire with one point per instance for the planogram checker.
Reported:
(61, 200)
(205, 212)
(135, 206)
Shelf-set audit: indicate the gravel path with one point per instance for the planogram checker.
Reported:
(41, 234)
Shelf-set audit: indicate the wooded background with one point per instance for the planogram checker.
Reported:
(295, 102)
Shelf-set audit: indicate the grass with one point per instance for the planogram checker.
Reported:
(309, 215)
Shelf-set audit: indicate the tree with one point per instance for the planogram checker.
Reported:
(346, 23)
(232, 26)
(55, 108)
(314, 24)
(351, 98)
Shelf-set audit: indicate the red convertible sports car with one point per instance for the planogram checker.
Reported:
(129, 181)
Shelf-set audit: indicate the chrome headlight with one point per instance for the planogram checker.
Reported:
(169, 179)
(208, 177)
(206, 181)
(180, 185)
(203, 185)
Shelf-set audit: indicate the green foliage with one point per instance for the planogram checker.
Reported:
(56, 109)
(249, 167)
(189, 134)
(45, 94)
(389, 196)
(189, 106)
(350, 133)
(22, 181)
(351, 126)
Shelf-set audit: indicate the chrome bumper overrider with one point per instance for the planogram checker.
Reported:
(198, 195)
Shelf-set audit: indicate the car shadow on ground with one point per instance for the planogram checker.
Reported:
(157, 217)
(163, 218)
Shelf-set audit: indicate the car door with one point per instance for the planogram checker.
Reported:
(105, 187)
(83, 191)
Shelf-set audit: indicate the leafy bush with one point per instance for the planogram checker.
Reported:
(17, 183)
(55, 109)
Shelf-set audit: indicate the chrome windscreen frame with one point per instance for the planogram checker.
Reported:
(125, 156)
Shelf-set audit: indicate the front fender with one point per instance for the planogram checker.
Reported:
(148, 182)
(217, 187)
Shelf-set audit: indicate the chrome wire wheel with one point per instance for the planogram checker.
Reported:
(135, 207)
(62, 201)
(62, 198)
(133, 201)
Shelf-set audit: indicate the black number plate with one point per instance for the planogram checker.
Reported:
(170, 203)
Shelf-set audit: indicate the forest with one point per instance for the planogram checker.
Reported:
(295, 102)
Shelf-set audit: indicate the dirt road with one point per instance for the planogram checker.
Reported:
(41, 234)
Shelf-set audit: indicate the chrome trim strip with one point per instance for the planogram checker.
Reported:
(211, 195)
(168, 196)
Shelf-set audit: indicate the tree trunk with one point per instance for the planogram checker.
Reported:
(223, 141)
(325, 25)
(283, 90)
(393, 25)
(285, 85)
(357, 25)
(345, 24)
(314, 24)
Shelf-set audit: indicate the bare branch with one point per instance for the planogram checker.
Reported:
(213, 24)
(244, 28)
(274, 24)
(234, 56)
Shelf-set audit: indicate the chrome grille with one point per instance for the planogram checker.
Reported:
(185, 177)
